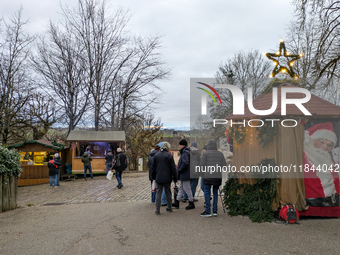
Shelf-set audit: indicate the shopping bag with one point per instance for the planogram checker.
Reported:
(109, 175)
(153, 186)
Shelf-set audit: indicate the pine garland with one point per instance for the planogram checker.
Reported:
(254, 200)
(266, 134)
(237, 133)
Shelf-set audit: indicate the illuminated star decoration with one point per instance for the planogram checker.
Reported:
(277, 59)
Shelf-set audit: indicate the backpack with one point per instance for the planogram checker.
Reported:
(117, 162)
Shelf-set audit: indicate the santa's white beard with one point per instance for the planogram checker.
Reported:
(318, 157)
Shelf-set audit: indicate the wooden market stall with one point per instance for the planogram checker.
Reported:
(98, 141)
(34, 157)
(289, 148)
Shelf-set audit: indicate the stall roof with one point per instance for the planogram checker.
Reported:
(96, 136)
(53, 145)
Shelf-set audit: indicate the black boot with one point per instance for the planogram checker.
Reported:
(176, 204)
(190, 206)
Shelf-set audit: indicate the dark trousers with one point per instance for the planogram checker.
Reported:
(90, 170)
(159, 190)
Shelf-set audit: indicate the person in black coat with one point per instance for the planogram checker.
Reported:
(152, 154)
(183, 174)
(212, 158)
(163, 171)
(120, 164)
(53, 166)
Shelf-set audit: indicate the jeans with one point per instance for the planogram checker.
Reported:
(164, 202)
(108, 167)
(193, 184)
(90, 170)
(55, 180)
(153, 195)
(119, 178)
(160, 188)
(207, 194)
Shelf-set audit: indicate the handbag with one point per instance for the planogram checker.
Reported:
(109, 175)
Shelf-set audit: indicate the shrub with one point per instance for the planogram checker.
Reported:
(9, 162)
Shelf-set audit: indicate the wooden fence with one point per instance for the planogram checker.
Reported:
(8, 193)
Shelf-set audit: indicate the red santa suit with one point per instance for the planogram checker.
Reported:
(321, 181)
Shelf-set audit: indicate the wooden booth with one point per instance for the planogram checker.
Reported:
(34, 156)
(294, 148)
(98, 142)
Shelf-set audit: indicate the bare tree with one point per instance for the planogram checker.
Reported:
(101, 34)
(62, 69)
(15, 81)
(327, 23)
(136, 88)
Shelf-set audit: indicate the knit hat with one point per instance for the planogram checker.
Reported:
(205, 147)
(119, 149)
(183, 142)
(56, 155)
(194, 144)
(323, 130)
(165, 145)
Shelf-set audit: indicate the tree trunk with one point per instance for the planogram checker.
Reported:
(13, 193)
(0, 193)
(5, 194)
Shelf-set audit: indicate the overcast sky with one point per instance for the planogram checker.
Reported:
(197, 36)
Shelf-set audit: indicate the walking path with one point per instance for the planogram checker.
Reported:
(137, 187)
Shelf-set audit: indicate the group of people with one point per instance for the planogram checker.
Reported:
(116, 163)
(162, 171)
(54, 165)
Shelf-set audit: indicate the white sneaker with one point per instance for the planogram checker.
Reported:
(214, 214)
(56, 186)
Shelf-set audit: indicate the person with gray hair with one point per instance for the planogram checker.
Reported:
(120, 164)
(57, 161)
(163, 171)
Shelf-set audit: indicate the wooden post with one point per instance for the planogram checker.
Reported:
(13, 187)
(5, 193)
(0, 193)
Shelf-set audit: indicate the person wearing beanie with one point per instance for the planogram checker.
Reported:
(212, 157)
(163, 172)
(183, 175)
(195, 158)
(120, 164)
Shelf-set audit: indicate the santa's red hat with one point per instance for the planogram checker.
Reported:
(323, 130)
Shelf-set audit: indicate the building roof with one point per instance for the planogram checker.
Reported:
(54, 145)
(96, 136)
(316, 106)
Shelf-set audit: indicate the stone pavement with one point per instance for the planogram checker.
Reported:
(137, 187)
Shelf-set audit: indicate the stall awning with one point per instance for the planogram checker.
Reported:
(96, 136)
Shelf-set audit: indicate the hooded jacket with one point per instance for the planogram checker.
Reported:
(183, 168)
(86, 159)
(153, 153)
(212, 157)
(195, 159)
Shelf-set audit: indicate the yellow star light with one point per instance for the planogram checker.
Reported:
(277, 59)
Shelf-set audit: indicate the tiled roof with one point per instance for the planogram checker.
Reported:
(54, 145)
(316, 106)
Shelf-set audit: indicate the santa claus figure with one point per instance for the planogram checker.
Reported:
(321, 178)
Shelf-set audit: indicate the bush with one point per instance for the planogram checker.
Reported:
(9, 162)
